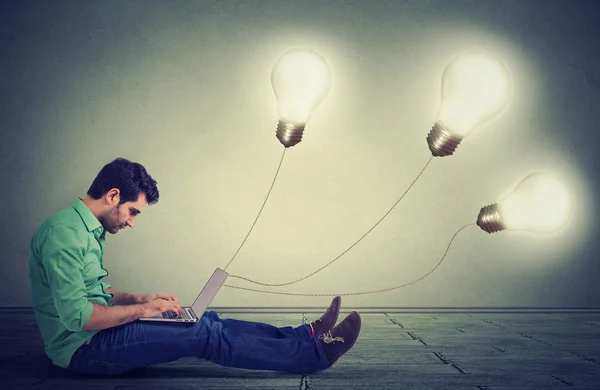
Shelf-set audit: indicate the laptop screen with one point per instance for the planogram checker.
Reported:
(209, 291)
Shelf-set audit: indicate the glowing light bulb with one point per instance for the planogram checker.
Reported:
(301, 80)
(539, 204)
(475, 88)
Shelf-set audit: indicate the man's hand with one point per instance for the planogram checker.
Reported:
(153, 297)
(158, 305)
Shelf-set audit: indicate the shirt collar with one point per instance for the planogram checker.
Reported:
(89, 219)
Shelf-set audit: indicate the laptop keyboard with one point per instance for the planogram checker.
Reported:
(173, 315)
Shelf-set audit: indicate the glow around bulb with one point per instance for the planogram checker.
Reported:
(301, 80)
(539, 204)
(475, 88)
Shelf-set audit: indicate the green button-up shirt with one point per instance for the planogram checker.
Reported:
(65, 270)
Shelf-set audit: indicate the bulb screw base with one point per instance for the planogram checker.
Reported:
(441, 141)
(289, 134)
(489, 219)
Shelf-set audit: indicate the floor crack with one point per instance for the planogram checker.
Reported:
(498, 348)
(414, 337)
(519, 333)
(393, 321)
(305, 381)
(566, 382)
(441, 357)
(459, 368)
(490, 322)
(586, 358)
(445, 360)
(533, 338)
(41, 381)
(580, 321)
(13, 357)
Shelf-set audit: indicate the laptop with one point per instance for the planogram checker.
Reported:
(194, 313)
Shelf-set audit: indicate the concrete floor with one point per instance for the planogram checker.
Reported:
(475, 350)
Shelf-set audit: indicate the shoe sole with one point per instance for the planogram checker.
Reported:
(351, 345)
(337, 313)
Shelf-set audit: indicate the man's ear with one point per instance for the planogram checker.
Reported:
(113, 196)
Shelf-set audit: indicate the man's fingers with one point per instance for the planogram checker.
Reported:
(167, 297)
(167, 305)
(173, 300)
(178, 309)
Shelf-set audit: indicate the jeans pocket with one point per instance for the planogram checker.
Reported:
(107, 368)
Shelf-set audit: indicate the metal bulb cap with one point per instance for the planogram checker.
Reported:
(289, 134)
(441, 141)
(489, 219)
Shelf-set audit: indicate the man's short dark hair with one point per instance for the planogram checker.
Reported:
(129, 177)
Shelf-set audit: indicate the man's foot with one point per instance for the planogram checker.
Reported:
(341, 338)
(327, 320)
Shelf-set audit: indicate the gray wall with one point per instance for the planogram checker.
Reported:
(183, 87)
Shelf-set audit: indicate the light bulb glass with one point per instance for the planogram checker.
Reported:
(540, 204)
(475, 88)
(300, 79)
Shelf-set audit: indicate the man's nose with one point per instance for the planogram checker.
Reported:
(130, 223)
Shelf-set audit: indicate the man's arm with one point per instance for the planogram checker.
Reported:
(109, 316)
(123, 298)
(62, 258)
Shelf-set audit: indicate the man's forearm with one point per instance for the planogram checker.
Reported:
(104, 317)
(122, 298)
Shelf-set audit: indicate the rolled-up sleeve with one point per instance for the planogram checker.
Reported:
(63, 259)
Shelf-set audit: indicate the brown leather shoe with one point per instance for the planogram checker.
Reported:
(327, 320)
(341, 338)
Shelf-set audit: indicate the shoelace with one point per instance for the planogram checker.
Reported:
(328, 338)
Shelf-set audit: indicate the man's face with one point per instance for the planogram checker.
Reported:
(118, 217)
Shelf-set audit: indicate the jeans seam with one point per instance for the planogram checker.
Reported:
(102, 347)
(315, 338)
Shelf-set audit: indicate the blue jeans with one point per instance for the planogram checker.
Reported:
(228, 342)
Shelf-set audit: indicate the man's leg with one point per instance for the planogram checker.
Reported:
(256, 328)
(318, 327)
(227, 342)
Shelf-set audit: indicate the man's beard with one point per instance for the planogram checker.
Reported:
(110, 220)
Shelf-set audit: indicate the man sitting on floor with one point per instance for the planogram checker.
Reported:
(89, 327)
